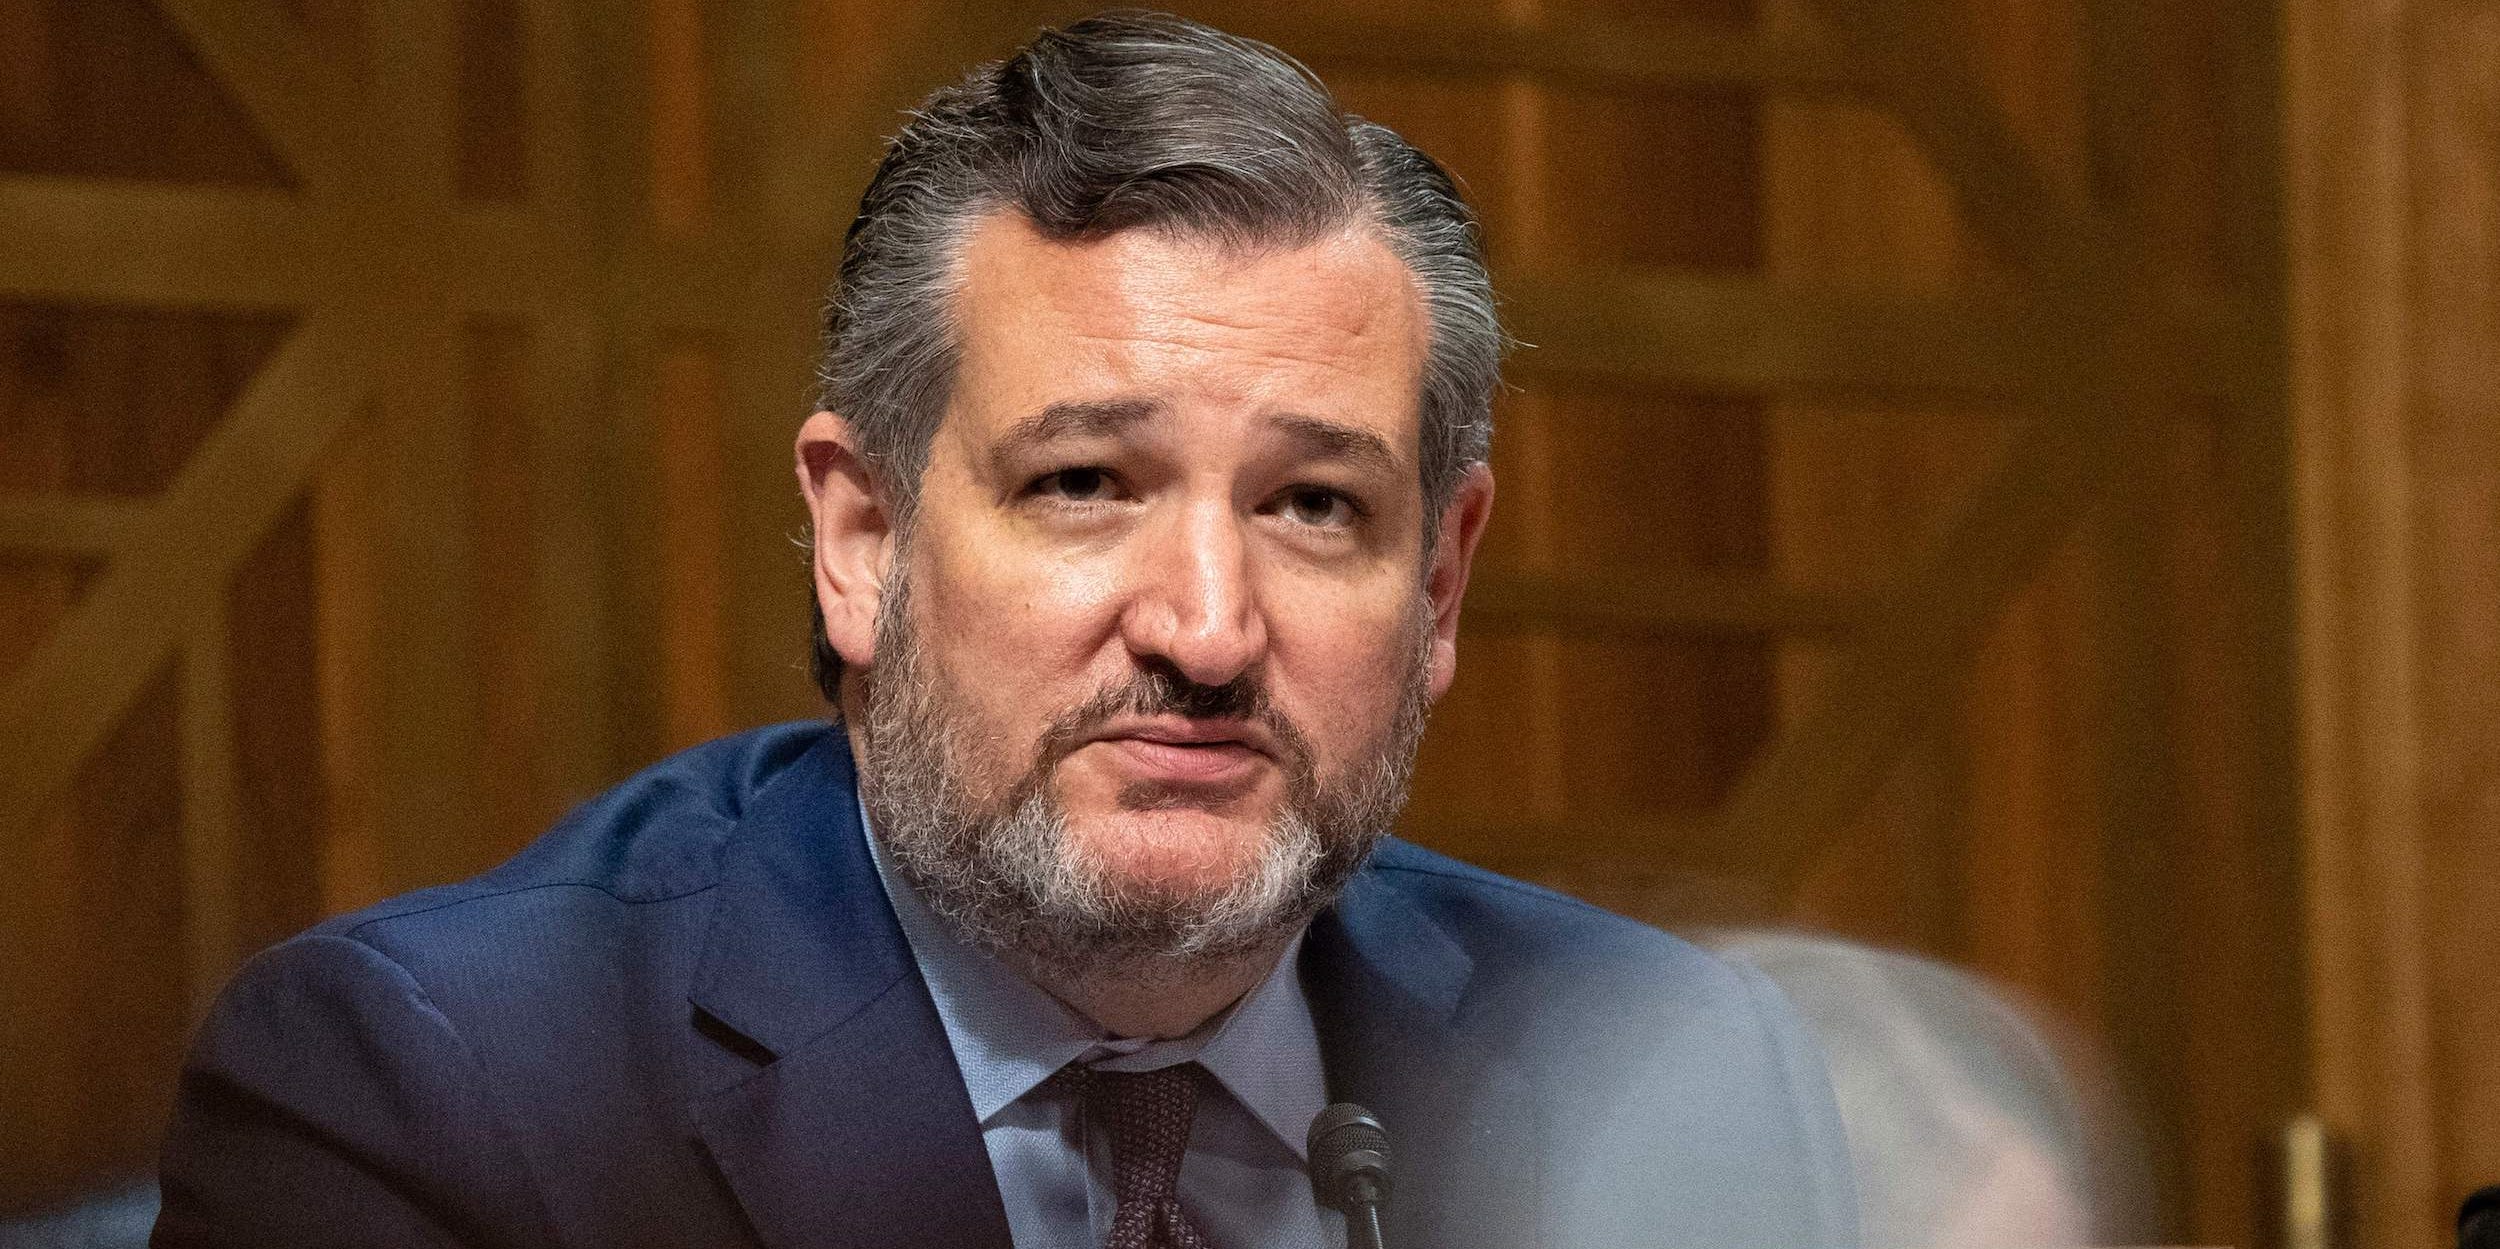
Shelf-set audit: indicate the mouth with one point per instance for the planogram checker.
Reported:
(1176, 751)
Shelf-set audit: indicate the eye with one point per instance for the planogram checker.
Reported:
(1320, 507)
(1088, 484)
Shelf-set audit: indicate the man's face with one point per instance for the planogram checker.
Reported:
(1162, 614)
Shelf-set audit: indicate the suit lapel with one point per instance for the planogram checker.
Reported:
(856, 1130)
(1387, 987)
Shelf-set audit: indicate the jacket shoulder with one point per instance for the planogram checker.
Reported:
(1501, 921)
(606, 914)
(474, 1056)
(1647, 1045)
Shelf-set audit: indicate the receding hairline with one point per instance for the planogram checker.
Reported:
(1358, 234)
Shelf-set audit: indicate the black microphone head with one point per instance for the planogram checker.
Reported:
(2478, 1220)
(1349, 1157)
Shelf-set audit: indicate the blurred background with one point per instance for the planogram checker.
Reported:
(2009, 482)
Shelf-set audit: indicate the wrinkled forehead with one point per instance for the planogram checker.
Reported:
(1338, 320)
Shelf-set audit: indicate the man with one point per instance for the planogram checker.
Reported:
(1152, 462)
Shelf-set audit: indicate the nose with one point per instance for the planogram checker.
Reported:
(1193, 604)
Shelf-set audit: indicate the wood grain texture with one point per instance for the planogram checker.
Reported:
(214, 887)
(68, 523)
(1740, 335)
(506, 463)
(2362, 730)
(2095, 809)
(348, 663)
(111, 89)
(2393, 223)
(1831, 308)
(692, 550)
(280, 772)
(2455, 54)
(58, 706)
(106, 932)
(300, 101)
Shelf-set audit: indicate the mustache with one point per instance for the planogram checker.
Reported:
(1162, 690)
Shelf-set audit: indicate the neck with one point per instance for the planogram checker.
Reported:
(1160, 1001)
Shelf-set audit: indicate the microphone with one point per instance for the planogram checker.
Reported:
(1350, 1169)
(2478, 1220)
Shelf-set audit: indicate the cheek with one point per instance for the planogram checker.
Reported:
(1019, 638)
(1346, 664)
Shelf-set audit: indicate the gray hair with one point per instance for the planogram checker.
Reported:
(1135, 120)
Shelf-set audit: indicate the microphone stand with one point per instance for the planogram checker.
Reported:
(1362, 1216)
(1349, 1159)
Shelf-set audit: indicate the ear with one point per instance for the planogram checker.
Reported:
(854, 535)
(1462, 525)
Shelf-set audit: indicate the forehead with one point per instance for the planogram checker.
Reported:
(1336, 324)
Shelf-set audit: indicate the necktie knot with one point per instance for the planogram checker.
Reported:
(1148, 1114)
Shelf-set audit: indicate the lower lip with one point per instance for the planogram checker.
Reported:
(1214, 763)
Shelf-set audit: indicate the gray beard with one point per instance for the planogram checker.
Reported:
(1006, 876)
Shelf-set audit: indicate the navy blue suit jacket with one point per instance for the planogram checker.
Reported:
(686, 1017)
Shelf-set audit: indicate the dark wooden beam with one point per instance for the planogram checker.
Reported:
(298, 93)
(1745, 335)
(1690, 602)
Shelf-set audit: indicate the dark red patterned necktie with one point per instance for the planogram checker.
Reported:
(1148, 1113)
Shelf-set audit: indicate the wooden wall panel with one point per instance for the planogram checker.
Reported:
(428, 706)
(104, 404)
(691, 548)
(348, 572)
(1860, 490)
(1827, 163)
(681, 136)
(1624, 483)
(2033, 911)
(113, 401)
(1898, 875)
(1650, 179)
(2101, 844)
(121, 1020)
(104, 88)
(494, 125)
(2206, 1002)
(2394, 225)
(505, 462)
(565, 256)
(99, 1003)
(281, 734)
(2458, 448)
(101, 404)
(1596, 479)
(283, 803)
(2235, 883)
(1482, 755)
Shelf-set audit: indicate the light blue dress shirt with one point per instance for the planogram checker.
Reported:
(1242, 1182)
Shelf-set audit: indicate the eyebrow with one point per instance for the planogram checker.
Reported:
(1102, 418)
(1098, 418)
(1329, 440)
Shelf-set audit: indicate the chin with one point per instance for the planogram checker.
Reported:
(1168, 855)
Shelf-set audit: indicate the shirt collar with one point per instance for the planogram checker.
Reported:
(1009, 1036)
